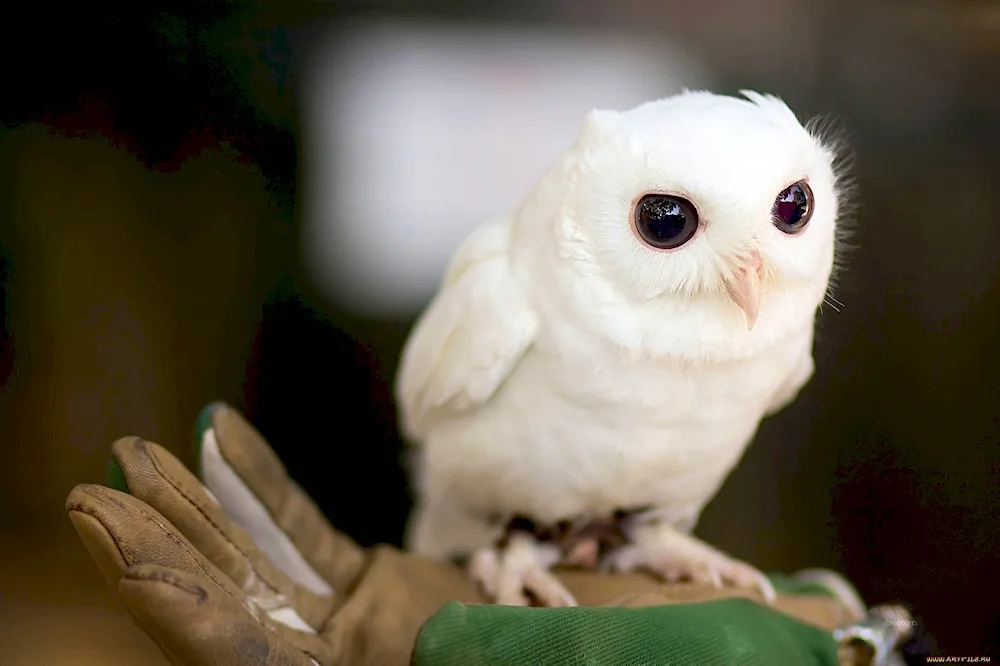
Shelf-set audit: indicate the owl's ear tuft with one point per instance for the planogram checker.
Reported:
(599, 123)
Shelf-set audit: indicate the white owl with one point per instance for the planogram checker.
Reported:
(611, 346)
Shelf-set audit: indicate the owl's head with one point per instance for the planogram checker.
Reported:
(723, 210)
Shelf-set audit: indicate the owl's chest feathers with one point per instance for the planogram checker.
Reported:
(598, 433)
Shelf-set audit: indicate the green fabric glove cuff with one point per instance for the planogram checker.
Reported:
(736, 632)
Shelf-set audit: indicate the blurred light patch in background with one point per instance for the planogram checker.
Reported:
(414, 134)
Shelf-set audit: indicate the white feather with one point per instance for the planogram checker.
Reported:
(470, 337)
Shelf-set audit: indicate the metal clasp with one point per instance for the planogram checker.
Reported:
(872, 641)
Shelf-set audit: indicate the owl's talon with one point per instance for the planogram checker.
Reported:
(483, 567)
(674, 556)
(508, 574)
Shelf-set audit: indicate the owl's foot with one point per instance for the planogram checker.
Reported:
(510, 573)
(675, 556)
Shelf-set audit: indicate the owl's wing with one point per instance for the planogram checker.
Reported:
(470, 337)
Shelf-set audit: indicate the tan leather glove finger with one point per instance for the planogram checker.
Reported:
(153, 475)
(122, 533)
(254, 488)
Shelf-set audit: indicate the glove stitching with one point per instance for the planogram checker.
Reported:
(152, 519)
(201, 564)
(181, 489)
(169, 578)
(194, 554)
(79, 507)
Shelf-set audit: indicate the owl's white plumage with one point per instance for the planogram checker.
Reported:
(565, 369)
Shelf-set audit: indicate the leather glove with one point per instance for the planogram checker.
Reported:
(248, 571)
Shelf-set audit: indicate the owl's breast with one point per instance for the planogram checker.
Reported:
(562, 439)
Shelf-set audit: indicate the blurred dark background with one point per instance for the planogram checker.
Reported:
(154, 256)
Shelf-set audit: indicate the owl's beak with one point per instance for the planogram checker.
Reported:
(744, 286)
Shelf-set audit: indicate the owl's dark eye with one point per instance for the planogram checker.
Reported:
(664, 221)
(793, 207)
